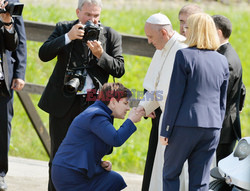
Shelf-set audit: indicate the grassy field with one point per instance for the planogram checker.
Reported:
(131, 156)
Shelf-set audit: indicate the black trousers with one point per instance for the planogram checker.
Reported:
(6, 115)
(152, 145)
(223, 150)
(58, 128)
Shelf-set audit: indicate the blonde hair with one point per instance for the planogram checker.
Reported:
(202, 32)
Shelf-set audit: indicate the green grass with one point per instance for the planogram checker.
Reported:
(131, 156)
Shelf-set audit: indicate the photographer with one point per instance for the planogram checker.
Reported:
(12, 71)
(87, 61)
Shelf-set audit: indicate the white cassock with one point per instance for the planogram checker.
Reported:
(156, 82)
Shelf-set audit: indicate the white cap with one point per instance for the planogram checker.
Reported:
(158, 19)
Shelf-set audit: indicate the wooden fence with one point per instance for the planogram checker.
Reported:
(131, 44)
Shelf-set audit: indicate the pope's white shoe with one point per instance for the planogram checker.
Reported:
(3, 185)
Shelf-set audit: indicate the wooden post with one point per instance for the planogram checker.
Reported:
(35, 120)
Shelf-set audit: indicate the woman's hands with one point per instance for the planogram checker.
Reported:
(107, 165)
(135, 115)
(164, 140)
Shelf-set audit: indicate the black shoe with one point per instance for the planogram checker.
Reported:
(3, 185)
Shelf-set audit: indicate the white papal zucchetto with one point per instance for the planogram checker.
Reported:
(158, 19)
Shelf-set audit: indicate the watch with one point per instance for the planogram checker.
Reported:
(8, 24)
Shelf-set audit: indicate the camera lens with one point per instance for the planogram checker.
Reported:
(92, 35)
(72, 85)
(91, 31)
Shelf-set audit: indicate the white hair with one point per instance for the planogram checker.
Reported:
(82, 2)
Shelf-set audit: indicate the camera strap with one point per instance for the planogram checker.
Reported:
(1, 69)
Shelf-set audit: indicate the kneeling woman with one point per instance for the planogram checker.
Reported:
(78, 164)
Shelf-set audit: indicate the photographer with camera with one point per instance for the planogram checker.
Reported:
(13, 54)
(87, 53)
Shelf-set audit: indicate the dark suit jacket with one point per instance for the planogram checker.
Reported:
(197, 91)
(54, 100)
(17, 59)
(8, 41)
(231, 126)
(90, 137)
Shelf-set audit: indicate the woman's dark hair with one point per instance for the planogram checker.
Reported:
(113, 90)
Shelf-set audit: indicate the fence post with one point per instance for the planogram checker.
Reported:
(35, 120)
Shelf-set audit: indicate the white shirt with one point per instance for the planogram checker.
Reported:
(158, 76)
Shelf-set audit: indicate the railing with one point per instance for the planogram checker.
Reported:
(131, 44)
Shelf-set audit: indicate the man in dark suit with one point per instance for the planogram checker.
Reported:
(231, 130)
(13, 67)
(89, 61)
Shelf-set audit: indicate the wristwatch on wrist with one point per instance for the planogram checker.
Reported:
(8, 24)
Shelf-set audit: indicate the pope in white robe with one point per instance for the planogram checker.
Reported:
(156, 83)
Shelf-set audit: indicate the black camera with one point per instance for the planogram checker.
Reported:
(14, 9)
(74, 80)
(76, 72)
(91, 31)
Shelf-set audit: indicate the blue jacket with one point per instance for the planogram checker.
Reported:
(197, 92)
(17, 59)
(90, 137)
